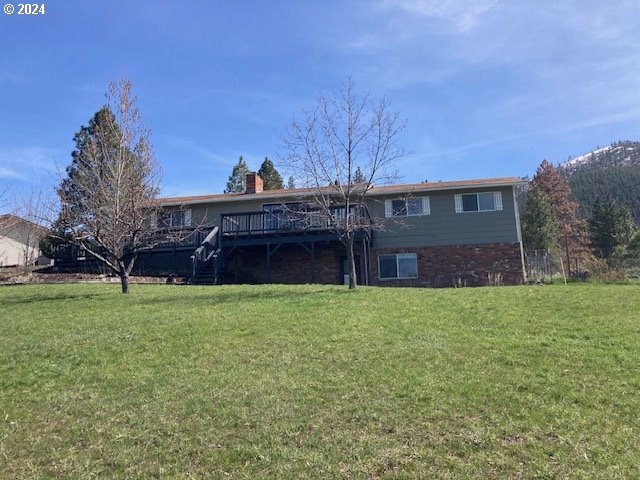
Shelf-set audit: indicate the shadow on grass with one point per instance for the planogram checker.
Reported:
(226, 295)
(245, 293)
(48, 297)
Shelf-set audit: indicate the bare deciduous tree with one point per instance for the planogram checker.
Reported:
(108, 197)
(4, 194)
(339, 149)
(32, 209)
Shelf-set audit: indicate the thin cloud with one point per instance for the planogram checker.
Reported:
(181, 143)
(11, 78)
(9, 174)
(462, 15)
(596, 121)
(21, 162)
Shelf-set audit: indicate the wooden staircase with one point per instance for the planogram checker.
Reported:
(207, 274)
(207, 261)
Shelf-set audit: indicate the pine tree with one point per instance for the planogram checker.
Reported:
(539, 225)
(632, 251)
(107, 198)
(291, 183)
(270, 176)
(570, 228)
(610, 226)
(358, 177)
(237, 182)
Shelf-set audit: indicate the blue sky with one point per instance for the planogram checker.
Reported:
(488, 88)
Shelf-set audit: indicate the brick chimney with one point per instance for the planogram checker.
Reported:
(254, 183)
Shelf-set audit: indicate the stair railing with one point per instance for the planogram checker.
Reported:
(204, 252)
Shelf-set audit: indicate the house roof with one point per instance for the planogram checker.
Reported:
(11, 221)
(374, 191)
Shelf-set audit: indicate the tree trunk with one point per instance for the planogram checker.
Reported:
(124, 281)
(353, 282)
(566, 248)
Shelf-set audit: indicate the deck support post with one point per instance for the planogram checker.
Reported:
(365, 259)
(268, 263)
(313, 262)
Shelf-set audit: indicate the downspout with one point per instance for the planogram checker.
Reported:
(519, 234)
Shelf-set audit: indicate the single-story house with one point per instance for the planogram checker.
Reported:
(19, 241)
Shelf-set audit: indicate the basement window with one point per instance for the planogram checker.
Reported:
(398, 266)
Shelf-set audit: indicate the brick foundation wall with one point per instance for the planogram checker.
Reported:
(446, 266)
(458, 265)
(289, 265)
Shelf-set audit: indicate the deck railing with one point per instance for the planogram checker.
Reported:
(163, 239)
(186, 237)
(286, 221)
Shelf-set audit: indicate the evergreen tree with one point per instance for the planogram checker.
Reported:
(570, 228)
(86, 157)
(358, 177)
(610, 226)
(291, 183)
(237, 182)
(632, 251)
(109, 195)
(270, 176)
(539, 225)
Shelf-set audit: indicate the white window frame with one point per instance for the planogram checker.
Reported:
(388, 207)
(276, 215)
(398, 256)
(497, 202)
(169, 214)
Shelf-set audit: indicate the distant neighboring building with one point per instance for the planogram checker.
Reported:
(439, 234)
(19, 241)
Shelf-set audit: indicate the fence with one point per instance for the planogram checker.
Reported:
(542, 265)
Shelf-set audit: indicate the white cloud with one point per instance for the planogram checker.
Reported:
(461, 15)
(188, 145)
(24, 163)
(509, 66)
(9, 174)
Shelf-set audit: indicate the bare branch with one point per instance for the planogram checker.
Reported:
(342, 134)
(108, 199)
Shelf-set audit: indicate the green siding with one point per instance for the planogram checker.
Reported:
(446, 227)
(209, 213)
(442, 227)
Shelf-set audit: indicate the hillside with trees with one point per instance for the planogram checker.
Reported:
(608, 172)
(587, 210)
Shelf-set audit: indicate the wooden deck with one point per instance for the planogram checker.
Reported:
(285, 226)
(210, 246)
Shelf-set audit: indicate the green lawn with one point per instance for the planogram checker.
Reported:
(319, 382)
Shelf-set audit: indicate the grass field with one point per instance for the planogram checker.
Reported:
(319, 382)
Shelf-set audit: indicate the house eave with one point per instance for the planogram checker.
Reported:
(418, 188)
(391, 190)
